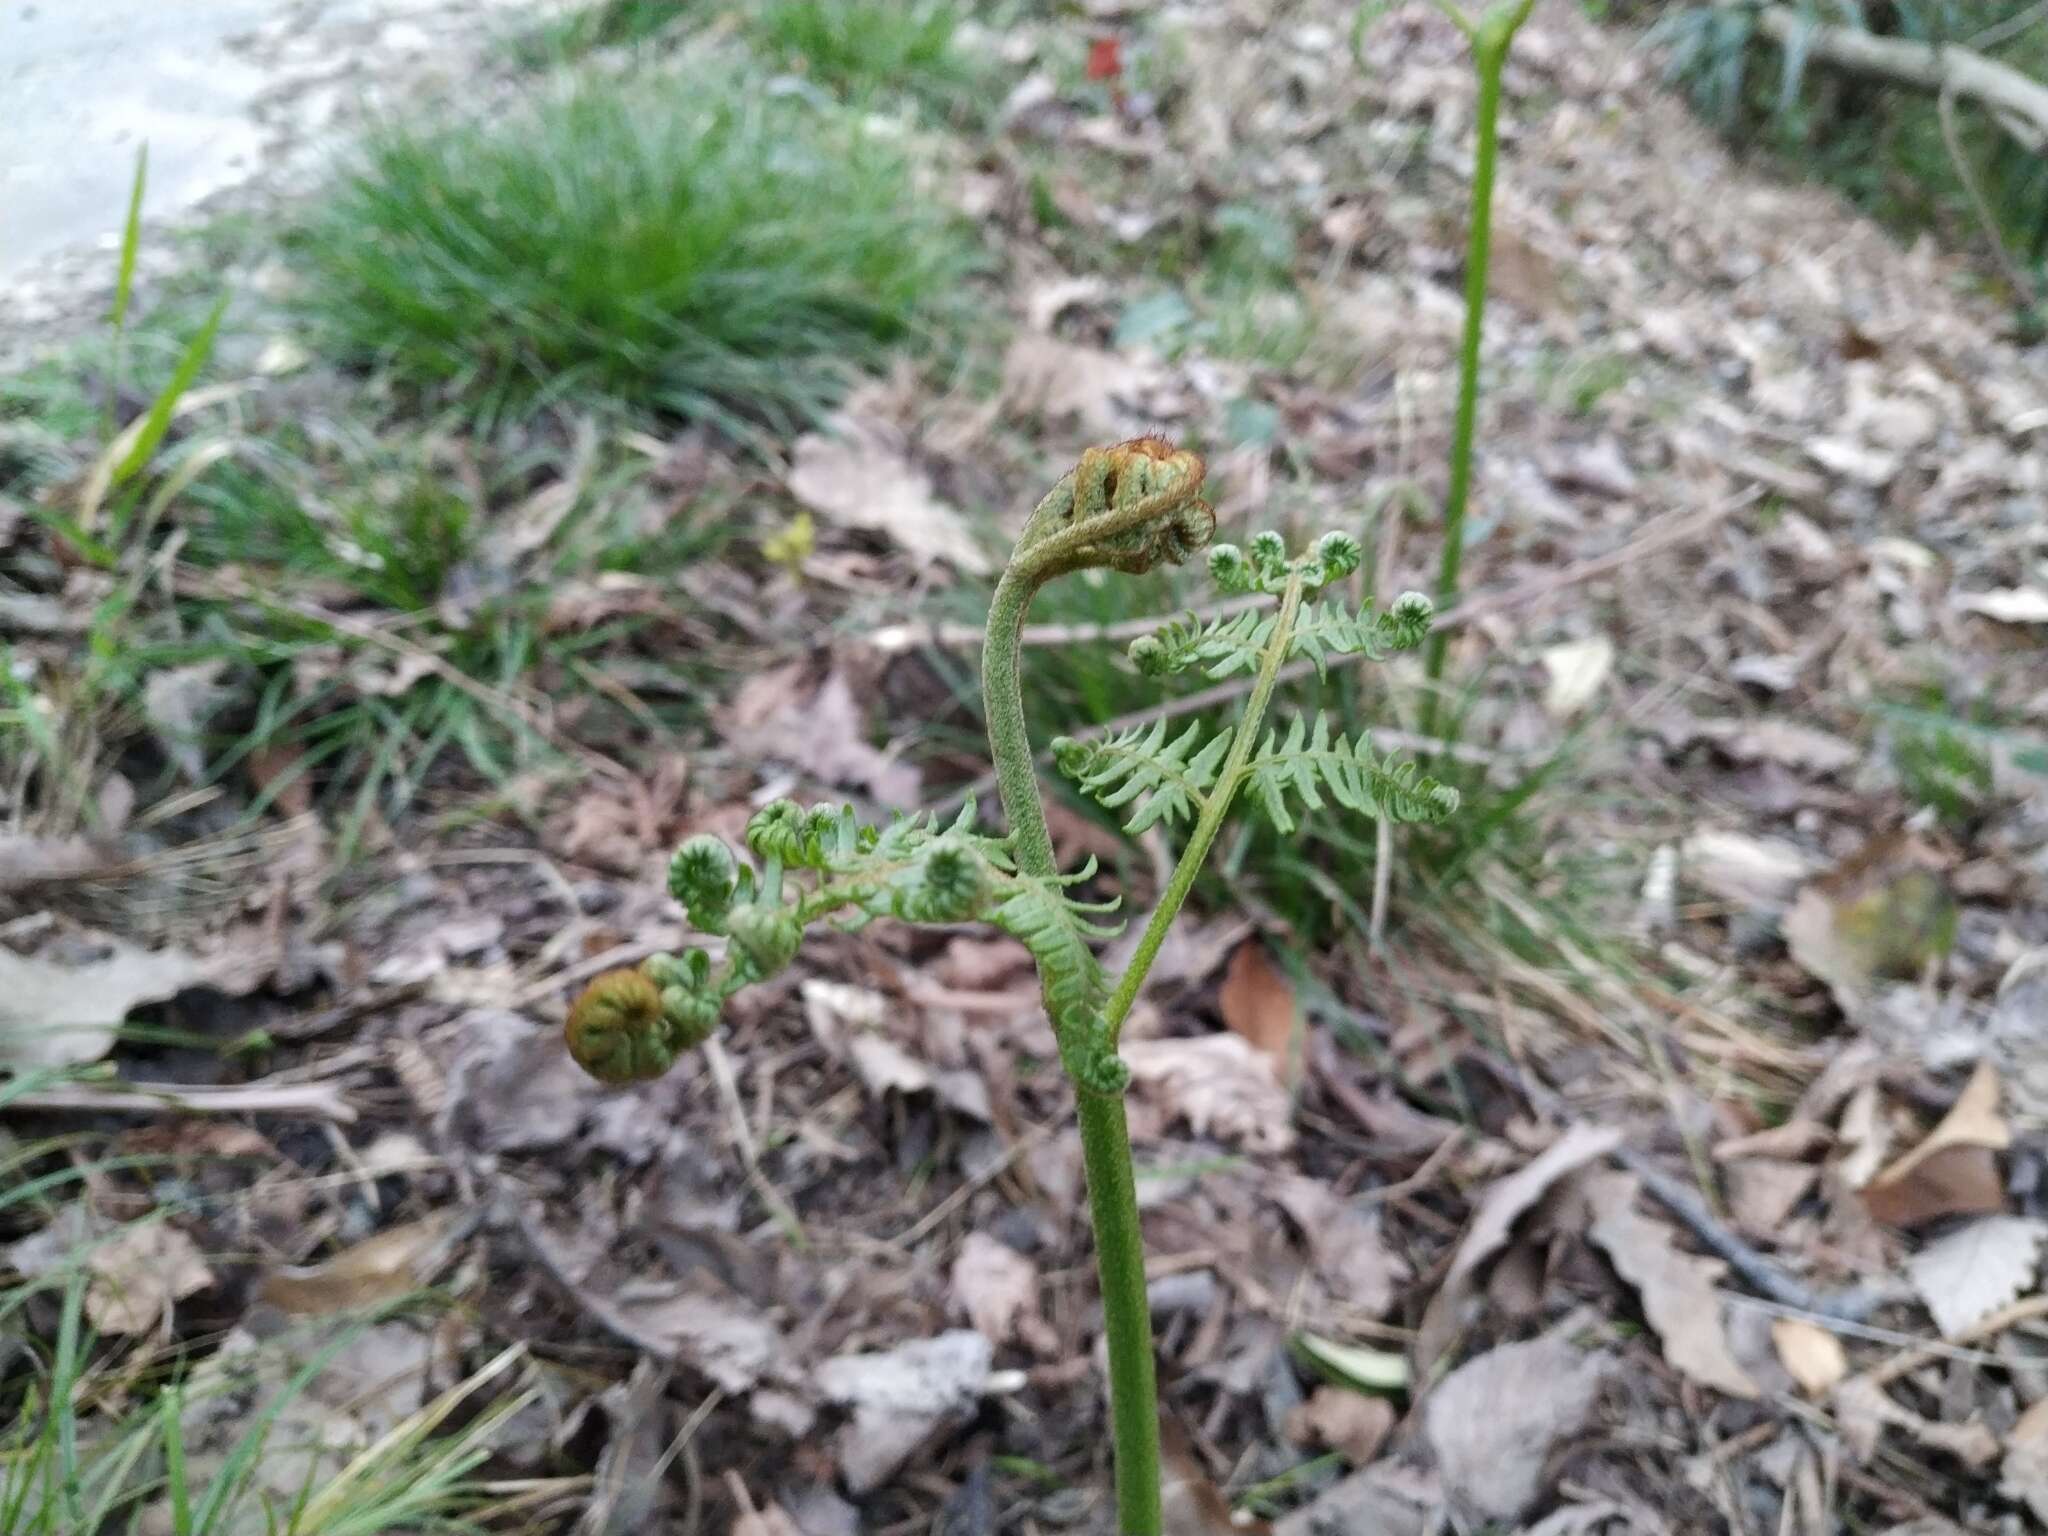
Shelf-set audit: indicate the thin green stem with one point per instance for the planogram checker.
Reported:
(1490, 41)
(1126, 1312)
(1228, 782)
(1009, 739)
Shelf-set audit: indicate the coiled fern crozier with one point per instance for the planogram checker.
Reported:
(1124, 508)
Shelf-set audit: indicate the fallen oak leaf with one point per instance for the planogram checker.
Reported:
(1677, 1289)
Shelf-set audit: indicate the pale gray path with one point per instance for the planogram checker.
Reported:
(83, 82)
(226, 93)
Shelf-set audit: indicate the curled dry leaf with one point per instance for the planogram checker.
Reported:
(900, 1398)
(1257, 1002)
(379, 1268)
(1812, 1357)
(1219, 1084)
(1494, 1421)
(1678, 1291)
(1494, 1222)
(1973, 1271)
(1954, 1170)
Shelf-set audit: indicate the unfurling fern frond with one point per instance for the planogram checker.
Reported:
(1323, 629)
(1310, 763)
(1167, 780)
(1235, 643)
(1220, 647)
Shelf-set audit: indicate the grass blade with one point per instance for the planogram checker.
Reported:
(158, 421)
(131, 240)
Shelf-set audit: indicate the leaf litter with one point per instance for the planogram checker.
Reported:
(1347, 1180)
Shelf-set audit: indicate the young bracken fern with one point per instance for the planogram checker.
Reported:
(1125, 508)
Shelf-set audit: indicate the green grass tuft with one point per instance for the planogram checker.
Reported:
(862, 47)
(687, 244)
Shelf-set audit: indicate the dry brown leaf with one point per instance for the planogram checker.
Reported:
(1784, 742)
(821, 730)
(1748, 871)
(1219, 1085)
(1350, 1253)
(1812, 1357)
(2024, 1472)
(56, 1014)
(2008, 605)
(1973, 1271)
(900, 1398)
(1494, 1421)
(1796, 1138)
(1679, 1295)
(1190, 1501)
(723, 1337)
(1864, 1137)
(1954, 1170)
(1492, 1224)
(858, 479)
(27, 861)
(1257, 1002)
(1338, 1419)
(377, 1269)
(137, 1271)
(1102, 391)
(996, 1288)
(1763, 1191)
(1576, 669)
(1863, 1410)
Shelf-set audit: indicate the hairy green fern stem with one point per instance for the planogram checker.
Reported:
(1124, 508)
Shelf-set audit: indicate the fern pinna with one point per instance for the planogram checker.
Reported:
(1125, 508)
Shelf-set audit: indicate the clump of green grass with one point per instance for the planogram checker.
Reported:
(691, 245)
(861, 47)
(606, 24)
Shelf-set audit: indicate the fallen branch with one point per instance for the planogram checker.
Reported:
(2017, 101)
